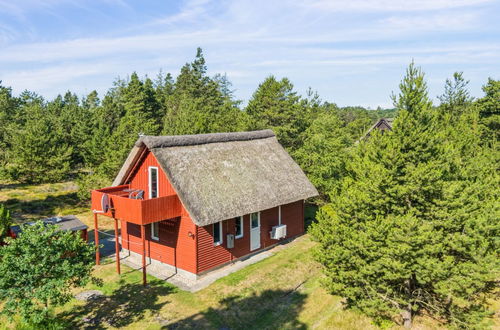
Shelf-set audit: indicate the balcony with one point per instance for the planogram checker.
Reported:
(138, 211)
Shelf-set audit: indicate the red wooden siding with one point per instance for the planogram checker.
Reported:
(292, 215)
(210, 256)
(166, 206)
(135, 210)
(174, 247)
(177, 242)
(139, 179)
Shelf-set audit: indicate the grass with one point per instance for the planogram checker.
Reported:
(29, 202)
(281, 292)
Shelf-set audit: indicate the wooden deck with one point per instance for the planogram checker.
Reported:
(138, 211)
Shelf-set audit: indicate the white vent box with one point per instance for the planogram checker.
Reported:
(230, 241)
(278, 232)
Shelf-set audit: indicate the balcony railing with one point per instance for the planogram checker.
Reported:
(138, 211)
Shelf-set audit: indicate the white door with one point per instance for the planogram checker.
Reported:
(254, 231)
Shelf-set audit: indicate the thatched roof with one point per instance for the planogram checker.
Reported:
(223, 175)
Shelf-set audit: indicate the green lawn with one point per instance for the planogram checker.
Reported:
(280, 292)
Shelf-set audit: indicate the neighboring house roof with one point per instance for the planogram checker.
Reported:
(67, 223)
(382, 124)
(224, 175)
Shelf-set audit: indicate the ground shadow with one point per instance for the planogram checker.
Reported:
(309, 215)
(271, 309)
(124, 306)
(13, 185)
(106, 241)
(35, 209)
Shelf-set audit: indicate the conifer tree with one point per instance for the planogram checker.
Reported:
(200, 104)
(415, 225)
(140, 116)
(5, 223)
(72, 121)
(39, 152)
(489, 111)
(456, 96)
(324, 152)
(8, 105)
(105, 118)
(277, 106)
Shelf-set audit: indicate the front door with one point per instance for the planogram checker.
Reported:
(254, 231)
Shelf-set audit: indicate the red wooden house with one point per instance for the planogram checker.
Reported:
(197, 202)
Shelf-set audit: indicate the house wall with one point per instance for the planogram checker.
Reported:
(174, 247)
(177, 244)
(139, 178)
(210, 256)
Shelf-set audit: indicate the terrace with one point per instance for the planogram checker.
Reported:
(125, 204)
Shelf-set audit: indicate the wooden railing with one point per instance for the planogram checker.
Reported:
(138, 211)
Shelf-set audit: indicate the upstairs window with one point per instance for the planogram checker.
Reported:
(239, 227)
(153, 182)
(217, 232)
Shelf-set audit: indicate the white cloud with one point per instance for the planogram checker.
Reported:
(46, 78)
(433, 22)
(390, 5)
(189, 12)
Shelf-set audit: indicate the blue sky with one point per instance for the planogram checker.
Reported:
(352, 52)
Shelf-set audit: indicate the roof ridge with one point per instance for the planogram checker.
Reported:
(196, 139)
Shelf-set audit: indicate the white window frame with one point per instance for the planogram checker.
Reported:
(157, 181)
(242, 226)
(279, 215)
(220, 234)
(153, 237)
(258, 219)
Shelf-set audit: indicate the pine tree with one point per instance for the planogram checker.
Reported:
(8, 106)
(200, 104)
(39, 152)
(5, 223)
(104, 119)
(415, 224)
(72, 121)
(456, 97)
(324, 152)
(140, 116)
(489, 111)
(277, 106)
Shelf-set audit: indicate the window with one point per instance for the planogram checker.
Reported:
(254, 220)
(217, 230)
(239, 227)
(155, 231)
(153, 182)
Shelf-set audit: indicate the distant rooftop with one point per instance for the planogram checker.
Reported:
(382, 124)
(66, 223)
